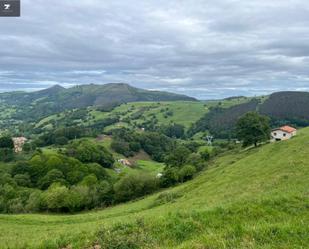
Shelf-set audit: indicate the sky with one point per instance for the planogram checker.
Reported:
(203, 48)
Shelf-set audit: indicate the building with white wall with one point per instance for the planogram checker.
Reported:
(283, 133)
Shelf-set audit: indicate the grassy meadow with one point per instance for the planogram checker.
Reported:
(254, 198)
(180, 112)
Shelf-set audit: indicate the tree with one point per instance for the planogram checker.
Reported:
(51, 177)
(134, 186)
(56, 197)
(205, 154)
(89, 152)
(6, 148)
(170, 177)
(178, 157)
(6, 143)
(23, 180)
(186, 173)
(89, 180)
(21, 167)
(253, 128)
(174, 130)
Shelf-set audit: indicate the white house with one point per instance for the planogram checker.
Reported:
(283, 133)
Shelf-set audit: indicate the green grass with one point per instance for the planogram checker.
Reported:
(184, 112)
(255, 198)
(150, 166)
(226, 103)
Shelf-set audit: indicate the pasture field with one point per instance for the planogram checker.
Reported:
(180, 112)
(256, 198)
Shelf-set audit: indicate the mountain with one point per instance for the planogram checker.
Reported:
(56, 99)
(287, 105)
(281, 107)
(254, 198)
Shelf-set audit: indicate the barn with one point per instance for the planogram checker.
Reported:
(283, 133)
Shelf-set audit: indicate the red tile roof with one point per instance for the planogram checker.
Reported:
(287, 129)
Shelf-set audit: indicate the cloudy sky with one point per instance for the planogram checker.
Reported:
(203, 48)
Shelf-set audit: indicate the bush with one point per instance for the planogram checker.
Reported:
(23, 180)
(170, 177)
(61, 141)
(133, 235)
(177, 157)
(34, 202)
(186, 173)
(51, 177)
(21, 167)
(89, 152)
(134, 186)
(166, 197)
(6, 142)
(57, 198)
(205, 154)
(6, 154)
(122, 147)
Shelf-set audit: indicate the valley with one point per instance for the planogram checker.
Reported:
(238, 202)
(161, 171)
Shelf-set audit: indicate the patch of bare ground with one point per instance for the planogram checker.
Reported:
(141, 155)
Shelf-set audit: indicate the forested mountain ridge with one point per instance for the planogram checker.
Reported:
(287, 105)
(281, 107)
(56, 99)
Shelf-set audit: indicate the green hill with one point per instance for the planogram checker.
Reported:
(135, 114)
(282, 108)
(290, 106)
(56, 99)
(255, 198)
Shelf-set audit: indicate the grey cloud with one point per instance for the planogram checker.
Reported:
(207, 49)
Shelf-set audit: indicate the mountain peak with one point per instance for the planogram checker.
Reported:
(56, 87)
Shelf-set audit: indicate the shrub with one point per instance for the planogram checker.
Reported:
(186, 173)
(205, 154)
(177, 157)
(23, 180)
(57, 198)
(122, 147)
(133, 235)
(34, 202)
(51, 177)
(61, 140)
(6, 142)
(165, 197)
(89, 152)
(169, 177)
(134, 186)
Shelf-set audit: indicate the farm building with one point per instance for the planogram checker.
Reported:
(19, 143)
(283, 133)
(125, 162)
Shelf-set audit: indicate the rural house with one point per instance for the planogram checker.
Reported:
(19, 143)
(283, 133)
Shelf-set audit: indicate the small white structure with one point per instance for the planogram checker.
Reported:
(19, 143)
(283, 133)
(159, 175)
(125, 162)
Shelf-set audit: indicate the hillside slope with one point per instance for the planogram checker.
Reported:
(56, 99)
(281, 107)
(287, 105)
(256, 198)
(134, 114)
